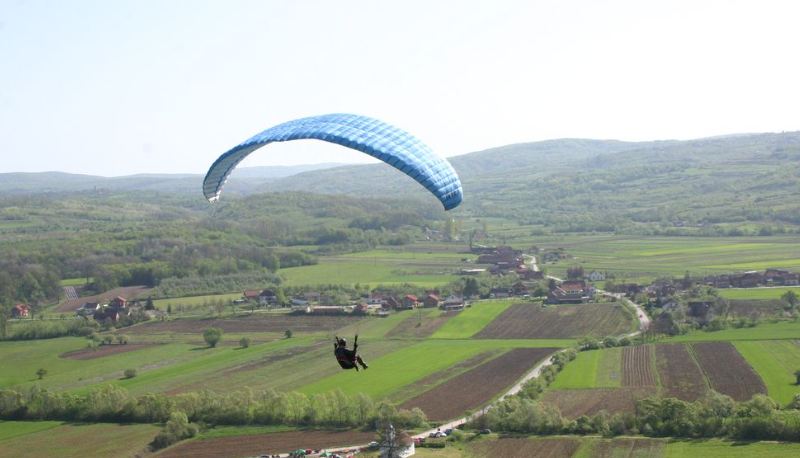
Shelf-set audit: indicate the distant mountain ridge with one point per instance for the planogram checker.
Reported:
(244, 179)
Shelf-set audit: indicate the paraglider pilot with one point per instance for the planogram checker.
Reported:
(348, 359)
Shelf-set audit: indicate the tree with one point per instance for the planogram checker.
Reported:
(244, 342)
(797, 377)
(212, 336)
(149, 304)
(471, 287)
(169, 309)
(41, 373)
(288, 333)
(131, 373)
(4, 316)
(449, 229)
(791, 299)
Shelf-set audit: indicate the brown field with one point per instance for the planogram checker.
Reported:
(128, 292)
(637, 366)
(408, 391)
(102, 350)
(249, 323)
(576, 402)
(680, 375)
(513, 447)
(530, 321)
(409, 327)
(258, 444)
(628, 448)
(477, 386)
(728, 371)
(76, 440)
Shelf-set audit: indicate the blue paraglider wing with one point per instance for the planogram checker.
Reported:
(390, 144)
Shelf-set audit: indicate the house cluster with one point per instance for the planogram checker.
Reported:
(503, 259)
(571, 292)
(410, 301)
(700, 312)
(519, 289)
(20, 311)
(317, 303)
(116, 308)
(752, 279)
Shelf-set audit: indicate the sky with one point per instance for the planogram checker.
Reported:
(117, 87)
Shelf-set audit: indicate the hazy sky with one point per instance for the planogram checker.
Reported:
(116, 87)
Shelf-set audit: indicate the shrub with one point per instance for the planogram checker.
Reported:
(212, 336)
(288, 333)
(41, 373)
(244, 342)
(131, 373)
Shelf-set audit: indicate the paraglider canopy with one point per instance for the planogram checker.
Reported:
(390, 144)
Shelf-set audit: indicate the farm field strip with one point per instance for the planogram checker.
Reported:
(621, 448)
(98, 440)
(258, 322)
(258, 444)
(529, 321)
(477, 386)
(637, 366)
(208, 300)
(588, 401)
(525, 448)
(757, 294)
(12, 429)
(775, 361)
(764, 331)
(727, 371)
(471, 320)
(678, 372)
(405, 366)
(730, 449)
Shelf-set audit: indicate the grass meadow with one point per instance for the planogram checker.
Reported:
(757, 294)
(764, 331)
(470, 321)
(592, 369)
(730, 449)
(776, 361)
(69, 440)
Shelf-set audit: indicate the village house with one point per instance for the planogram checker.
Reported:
(409, 302)
(118, 302)
(376, 297)
(267, 297)
(20, 311)
(569, 292)
(453, 302)
(628, 289)
(500, 293)
(520, 289)
(251, 295)
(431, 300)
(88, 308)
(107, 313)
(391, 304)
(596, 276)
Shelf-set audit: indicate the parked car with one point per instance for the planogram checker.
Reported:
(448, 431)
(486, 431)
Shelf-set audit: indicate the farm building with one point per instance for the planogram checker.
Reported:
(267, 297)
(410, 301)
(452, 302)
(431, 300)
(118, 302)
(251, 295)
(20, 311)
(596, 276)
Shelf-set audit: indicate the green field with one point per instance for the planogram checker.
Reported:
(730, 449)
(470, 321)
(76, 281)
(639, 258)
(194, 301)
(421, 265)
(67, 440)
(397, 369)
(776, 361)
(757, 294)
(592, 369)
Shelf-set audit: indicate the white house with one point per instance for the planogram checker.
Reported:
(597, 276)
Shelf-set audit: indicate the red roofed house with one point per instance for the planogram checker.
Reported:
(431, 300)
(409, 302)
(118, 302)
(391, 304)
(569, 292)
(251, 294)
(20, 311)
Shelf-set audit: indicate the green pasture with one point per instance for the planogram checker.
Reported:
(193, 301)
(776, 361)
(68, 440)
(472, 319)
(764, 331)
(757, 294)
(343, 270)
(397, 369)
(730, 449)
(592, 369)
(76, 281)
(12, 429)
(643, 257)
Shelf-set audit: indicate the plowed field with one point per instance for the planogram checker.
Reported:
(528, 321)
(258, 444)
(411, 326)
(250, 323)
(477, 386)
(101, 351)
(526, 448)
(637, 366)
(628, 448)
(128, 292)
(576, 402)
(728, 372)
(679, 374)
